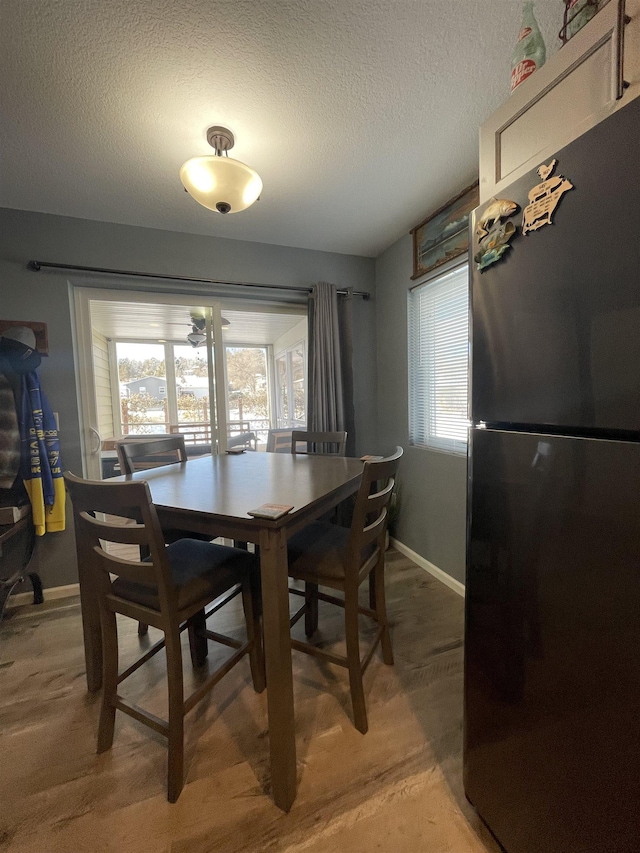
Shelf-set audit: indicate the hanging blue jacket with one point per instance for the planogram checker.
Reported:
(40, 465)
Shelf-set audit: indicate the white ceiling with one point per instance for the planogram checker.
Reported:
(361, 116)
(151, 322)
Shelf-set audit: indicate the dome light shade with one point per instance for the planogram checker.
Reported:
(218, 182)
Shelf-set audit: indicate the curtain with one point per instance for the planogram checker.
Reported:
(330, 383)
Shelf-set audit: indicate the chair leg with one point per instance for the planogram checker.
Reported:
(311, 608)
(380, 606)
(175, 768)
(109, 680)
(143, 629)
(372, 590)
(353, 659)
(254, 635)
(198, 644)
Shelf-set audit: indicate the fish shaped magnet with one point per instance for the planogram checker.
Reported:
(493, 234)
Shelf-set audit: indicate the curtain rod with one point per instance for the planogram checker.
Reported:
(36, 266)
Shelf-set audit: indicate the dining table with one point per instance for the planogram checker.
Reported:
(212, 495)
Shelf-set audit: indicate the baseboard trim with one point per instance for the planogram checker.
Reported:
(437, 573)
(71, 589)
(50, 594)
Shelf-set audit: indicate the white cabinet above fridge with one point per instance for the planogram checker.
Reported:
(591, 76)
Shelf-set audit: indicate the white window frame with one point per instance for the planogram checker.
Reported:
(287, 355)
(438, 316)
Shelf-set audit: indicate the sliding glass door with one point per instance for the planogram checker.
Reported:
(248, 394)
(165, 388)
(147, 365)
(152, 364)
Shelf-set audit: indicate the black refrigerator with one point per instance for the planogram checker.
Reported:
(552, 651)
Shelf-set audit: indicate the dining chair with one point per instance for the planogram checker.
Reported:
(143, 455)
(279, 441)
(135, 455)
(170, 590)
(327, 443)
(324, 554)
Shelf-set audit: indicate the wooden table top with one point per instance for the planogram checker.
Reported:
(227, 486)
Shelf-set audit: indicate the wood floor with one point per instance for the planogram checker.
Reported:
(397, 788)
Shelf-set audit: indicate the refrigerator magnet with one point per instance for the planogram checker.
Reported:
(544, 198)
(493, 234)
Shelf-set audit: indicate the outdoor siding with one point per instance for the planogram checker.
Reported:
(103, 385)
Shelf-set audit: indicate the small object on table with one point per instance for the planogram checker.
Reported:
(232, 451)
(272, 511)
(369, 458)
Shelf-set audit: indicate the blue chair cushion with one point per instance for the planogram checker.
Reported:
(199, 570)
(170, 535)
(320, 550)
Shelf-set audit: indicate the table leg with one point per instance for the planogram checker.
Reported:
(277, 647)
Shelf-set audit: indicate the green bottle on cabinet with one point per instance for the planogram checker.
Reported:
(529, 52)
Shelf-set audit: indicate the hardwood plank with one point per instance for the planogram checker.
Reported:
(397, 787)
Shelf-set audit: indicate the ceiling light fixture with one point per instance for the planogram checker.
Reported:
(217, 181)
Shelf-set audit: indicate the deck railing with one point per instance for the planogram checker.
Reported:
(199, 432)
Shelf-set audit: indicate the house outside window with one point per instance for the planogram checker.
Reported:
(438, 316)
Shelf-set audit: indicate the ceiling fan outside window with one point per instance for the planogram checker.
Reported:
(197, 335)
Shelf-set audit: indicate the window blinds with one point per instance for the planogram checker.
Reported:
(438, 361)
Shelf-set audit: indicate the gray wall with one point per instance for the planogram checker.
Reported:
(432, 484)
(25, 295)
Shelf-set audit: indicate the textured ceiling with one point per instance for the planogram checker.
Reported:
(361, 116)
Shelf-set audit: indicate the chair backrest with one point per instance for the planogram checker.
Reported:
(123, 513)
(326, 443)
(369, 522)
(142, 455)
(279, 441)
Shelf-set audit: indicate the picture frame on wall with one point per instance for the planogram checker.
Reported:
(444, 235)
